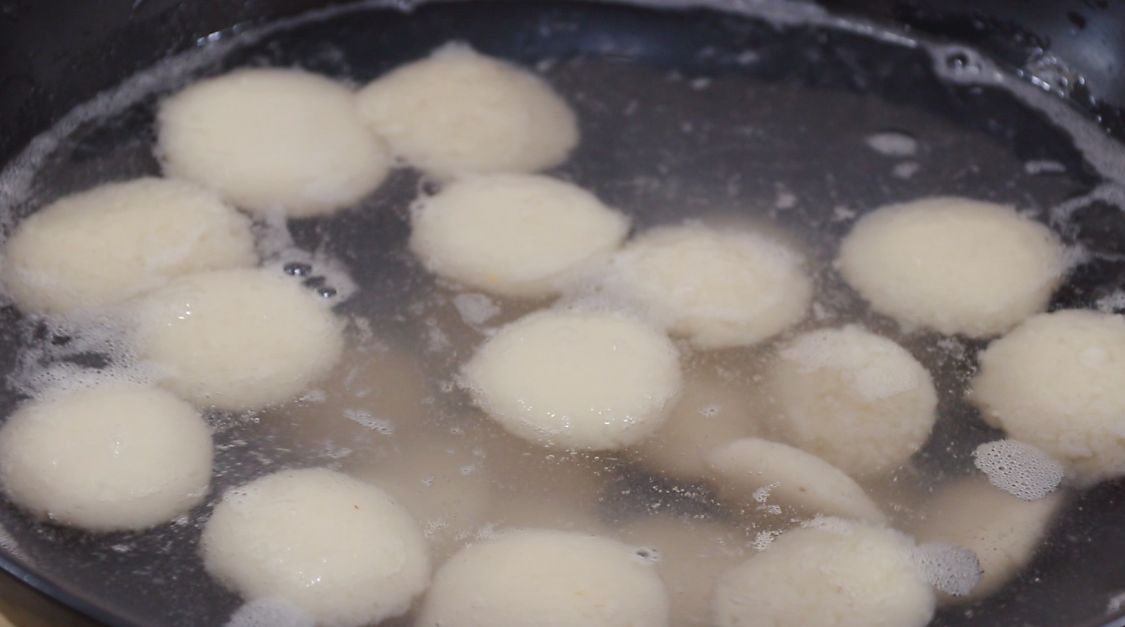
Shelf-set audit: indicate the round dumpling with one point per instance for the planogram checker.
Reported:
(272, 141)
(459, 112)
(854, 398)
(691, 554)
(709, 413)
(106, 244)
(1057, 382)
(1003, 531)
(576, 380)
(841, 575)
(718, 288)
(237, 339)
(114, 456)
(548, 578)
(754, 471)
(513, 234)
(953, 265)
(335, 547)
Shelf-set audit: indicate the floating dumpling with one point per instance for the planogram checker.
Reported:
(109, 243)
(272, 141)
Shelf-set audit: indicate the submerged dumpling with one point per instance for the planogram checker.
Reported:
(954, 265)
(709, 413)
(857, 399)
(440, 479)
(832, 575)
(690, 553)
(237, 339)
(272, 141)
(459, 112)
(114, 241)
(1003, 531)
(755, 470)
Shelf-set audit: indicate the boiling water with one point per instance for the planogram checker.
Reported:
(799, 120)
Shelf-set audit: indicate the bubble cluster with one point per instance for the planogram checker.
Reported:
(270, 612)
(951, 569)
(1018, 468)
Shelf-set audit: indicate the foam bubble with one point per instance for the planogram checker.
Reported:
(475, 309)
(831, 524)
(1018, 468)
(892, 144)
(11, 547)
(949, 568)
(270, 612)
(1043, 166)
(764, 539)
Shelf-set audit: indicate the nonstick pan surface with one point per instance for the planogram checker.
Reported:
(683, 113)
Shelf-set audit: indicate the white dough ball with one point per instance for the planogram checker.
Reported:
(854, 398)
(718, 288)
(709, 413)
(514, 234)
(546, 578)
(755, 471)
(115, 456)
(1057, 382)
(106, 244)
(1002, 530)
(237, 339)
(853, 576)
(459, 112)
(341, 550)
(272, 140)
(952, 264)
(572, 379)
(691, 554)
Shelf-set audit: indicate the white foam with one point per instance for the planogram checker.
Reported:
(475, 309)
(270, 612)
(367, 419)
(892, 144)
(949, 568)
(1018, 468)
(11, 547)
(1113, 302)
(764, 539)
(831, 524)
(1043, 166)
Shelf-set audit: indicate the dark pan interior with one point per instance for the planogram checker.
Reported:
(56, 55)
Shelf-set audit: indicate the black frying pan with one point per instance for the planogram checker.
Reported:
(55, 55)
